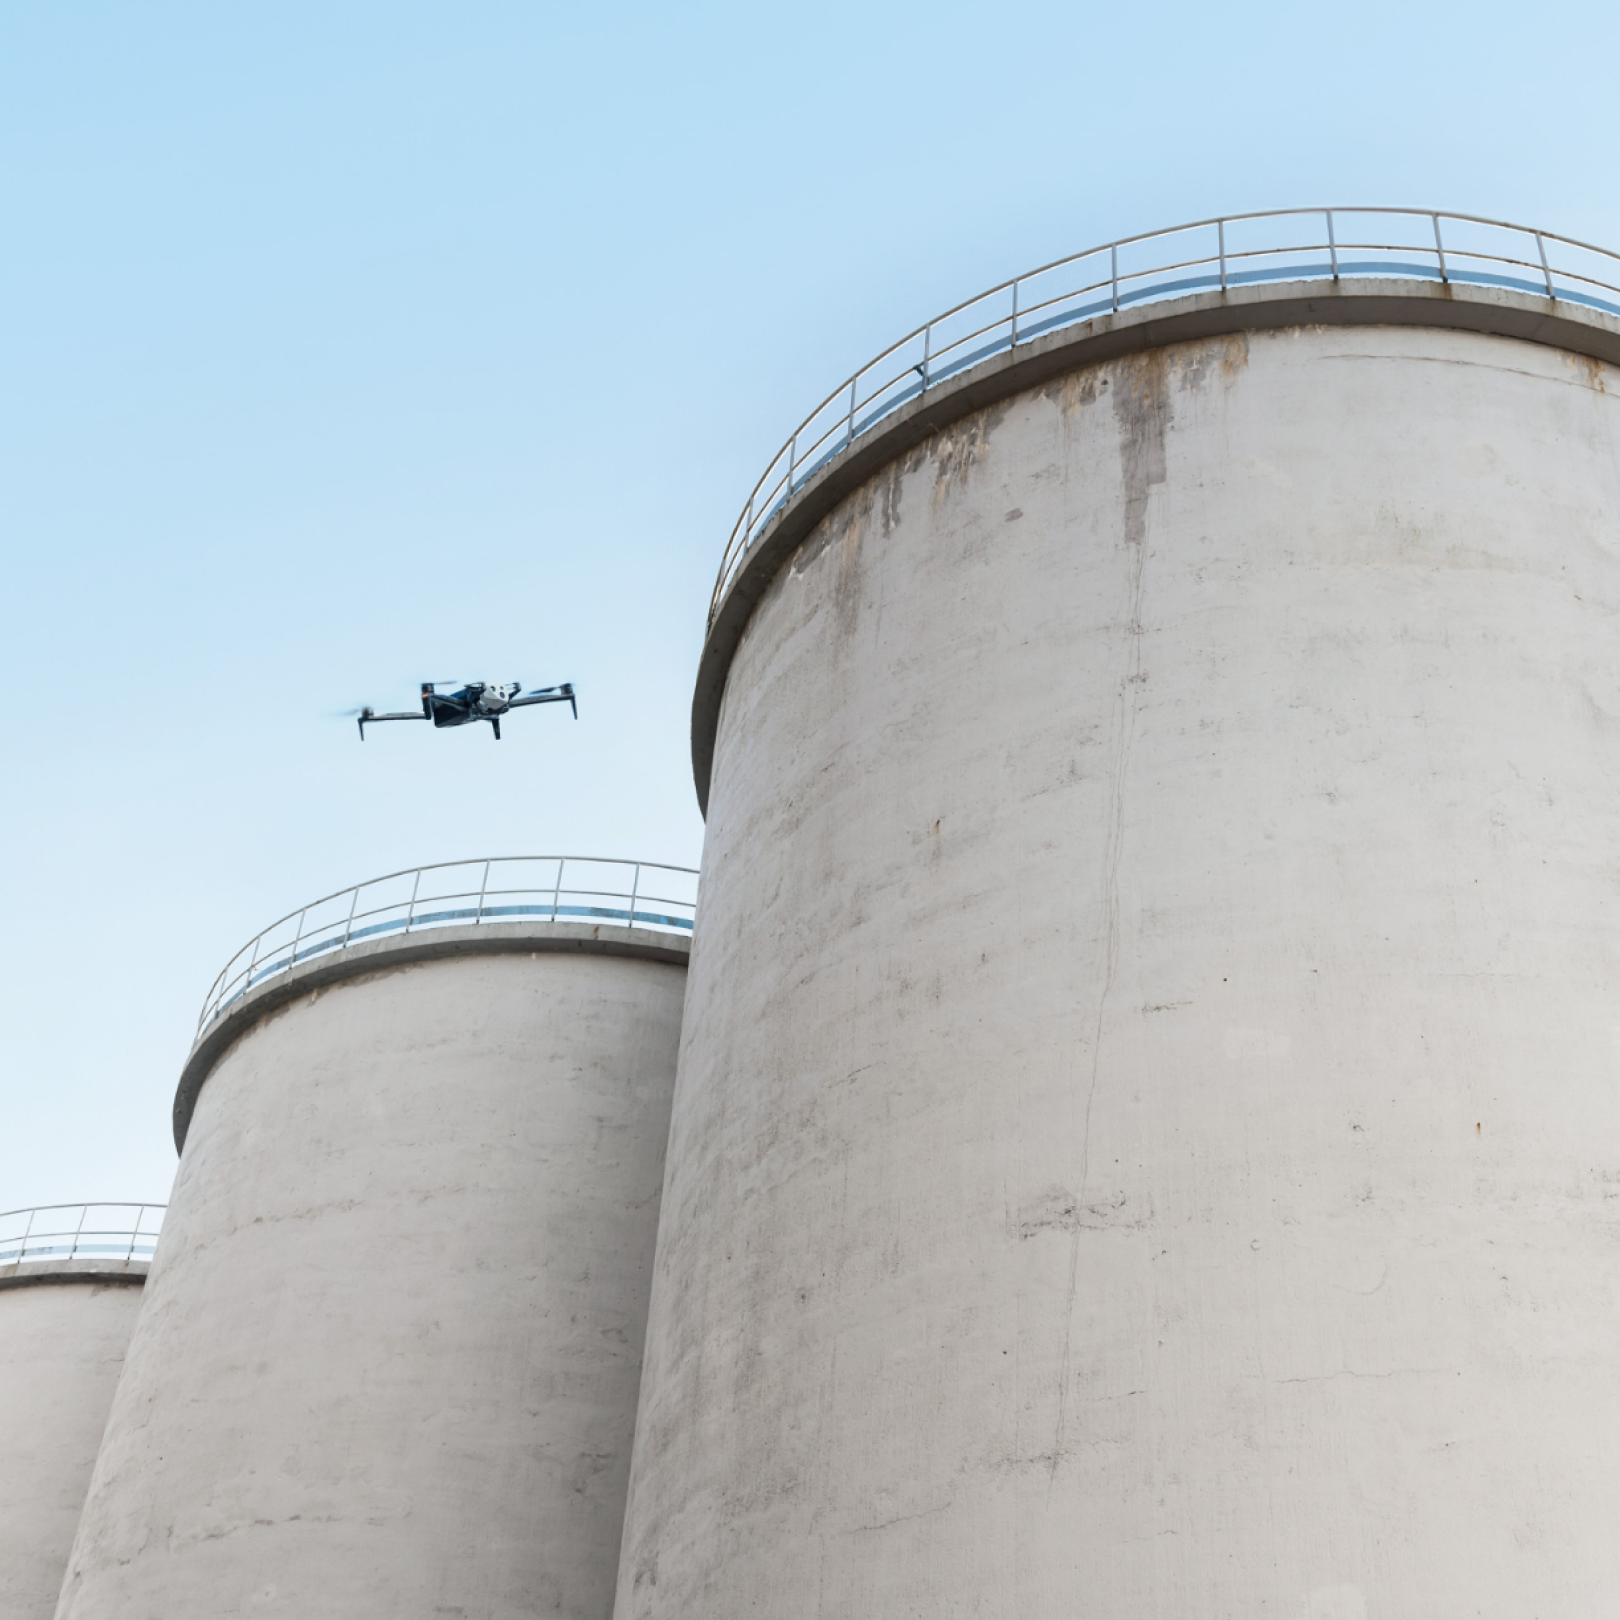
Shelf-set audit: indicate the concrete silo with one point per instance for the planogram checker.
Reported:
(1147, 1136)
(389, 1360)
(70, 1288)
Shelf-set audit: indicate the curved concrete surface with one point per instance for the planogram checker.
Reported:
(62, 1341)
(399, 950)
(1145, 1136)
(390, 1357)
(1351, 301)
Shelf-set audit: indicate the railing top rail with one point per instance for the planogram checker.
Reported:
(1265, 213)
(108, 1203)
(49, 1234)
(843, 414)
(441, 866)
(483, 895)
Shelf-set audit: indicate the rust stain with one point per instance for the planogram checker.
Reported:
(1591, 372)
(1142, 409)
(1223, 357)
(1192, 364)
(846, 593)
(893, 488)
(1077, 389)
(956, 450)
(833, 530)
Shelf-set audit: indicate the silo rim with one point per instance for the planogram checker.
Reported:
(98, 1273)
(1351, 301)
(485, 939)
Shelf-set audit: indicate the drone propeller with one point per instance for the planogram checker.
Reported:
(563, 693)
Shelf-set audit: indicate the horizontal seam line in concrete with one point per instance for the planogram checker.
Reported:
(1363, 301)
(380, 956)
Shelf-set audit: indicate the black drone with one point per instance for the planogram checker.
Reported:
(477, 700)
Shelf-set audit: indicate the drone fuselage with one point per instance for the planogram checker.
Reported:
(477, 700)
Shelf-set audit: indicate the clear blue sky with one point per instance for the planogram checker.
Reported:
(346, 345)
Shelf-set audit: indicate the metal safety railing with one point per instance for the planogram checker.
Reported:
(552, 888)
(1238, 250)
(53, 1234)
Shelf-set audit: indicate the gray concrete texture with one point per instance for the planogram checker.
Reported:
(1147, 1139)
(389, 1359)
(61, 1346)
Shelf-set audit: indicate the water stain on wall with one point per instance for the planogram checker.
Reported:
(956, 450)
(1142, 409)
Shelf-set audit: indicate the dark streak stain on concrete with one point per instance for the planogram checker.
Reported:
(1142, 409)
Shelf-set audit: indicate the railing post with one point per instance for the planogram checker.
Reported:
(1014, 343)
(410, 915)
(348, 927)
(28, 1227)
(78, 1232)
(793, 455)
(1220, 232)
(556, 893)
(298, 936)
(849, 426)
(928, 344)
(1546, 269)
(1333, 247)
(1440, 251)
(483, 889)
(635, 889)
(1113, 266)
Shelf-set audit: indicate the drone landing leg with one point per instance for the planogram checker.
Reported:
(497, 726)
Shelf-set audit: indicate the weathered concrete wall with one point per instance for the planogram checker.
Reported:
(61, 1346)
(389, 1362)
(1147, 1141)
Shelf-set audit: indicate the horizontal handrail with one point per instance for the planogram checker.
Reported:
(1233, 250)
(499, 888)
(55, 1234)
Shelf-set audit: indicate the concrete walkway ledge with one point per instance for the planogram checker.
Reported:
(99, 1272)
(381, 956)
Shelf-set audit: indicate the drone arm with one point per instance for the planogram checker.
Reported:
(368, 718)
(550, 694)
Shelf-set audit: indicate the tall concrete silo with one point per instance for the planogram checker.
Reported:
(389, 1360)
(70, 1288)
(1147, 1136)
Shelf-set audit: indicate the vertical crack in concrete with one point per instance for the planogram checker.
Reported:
(1142, 410)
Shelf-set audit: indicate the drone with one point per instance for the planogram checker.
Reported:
(476, 700)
